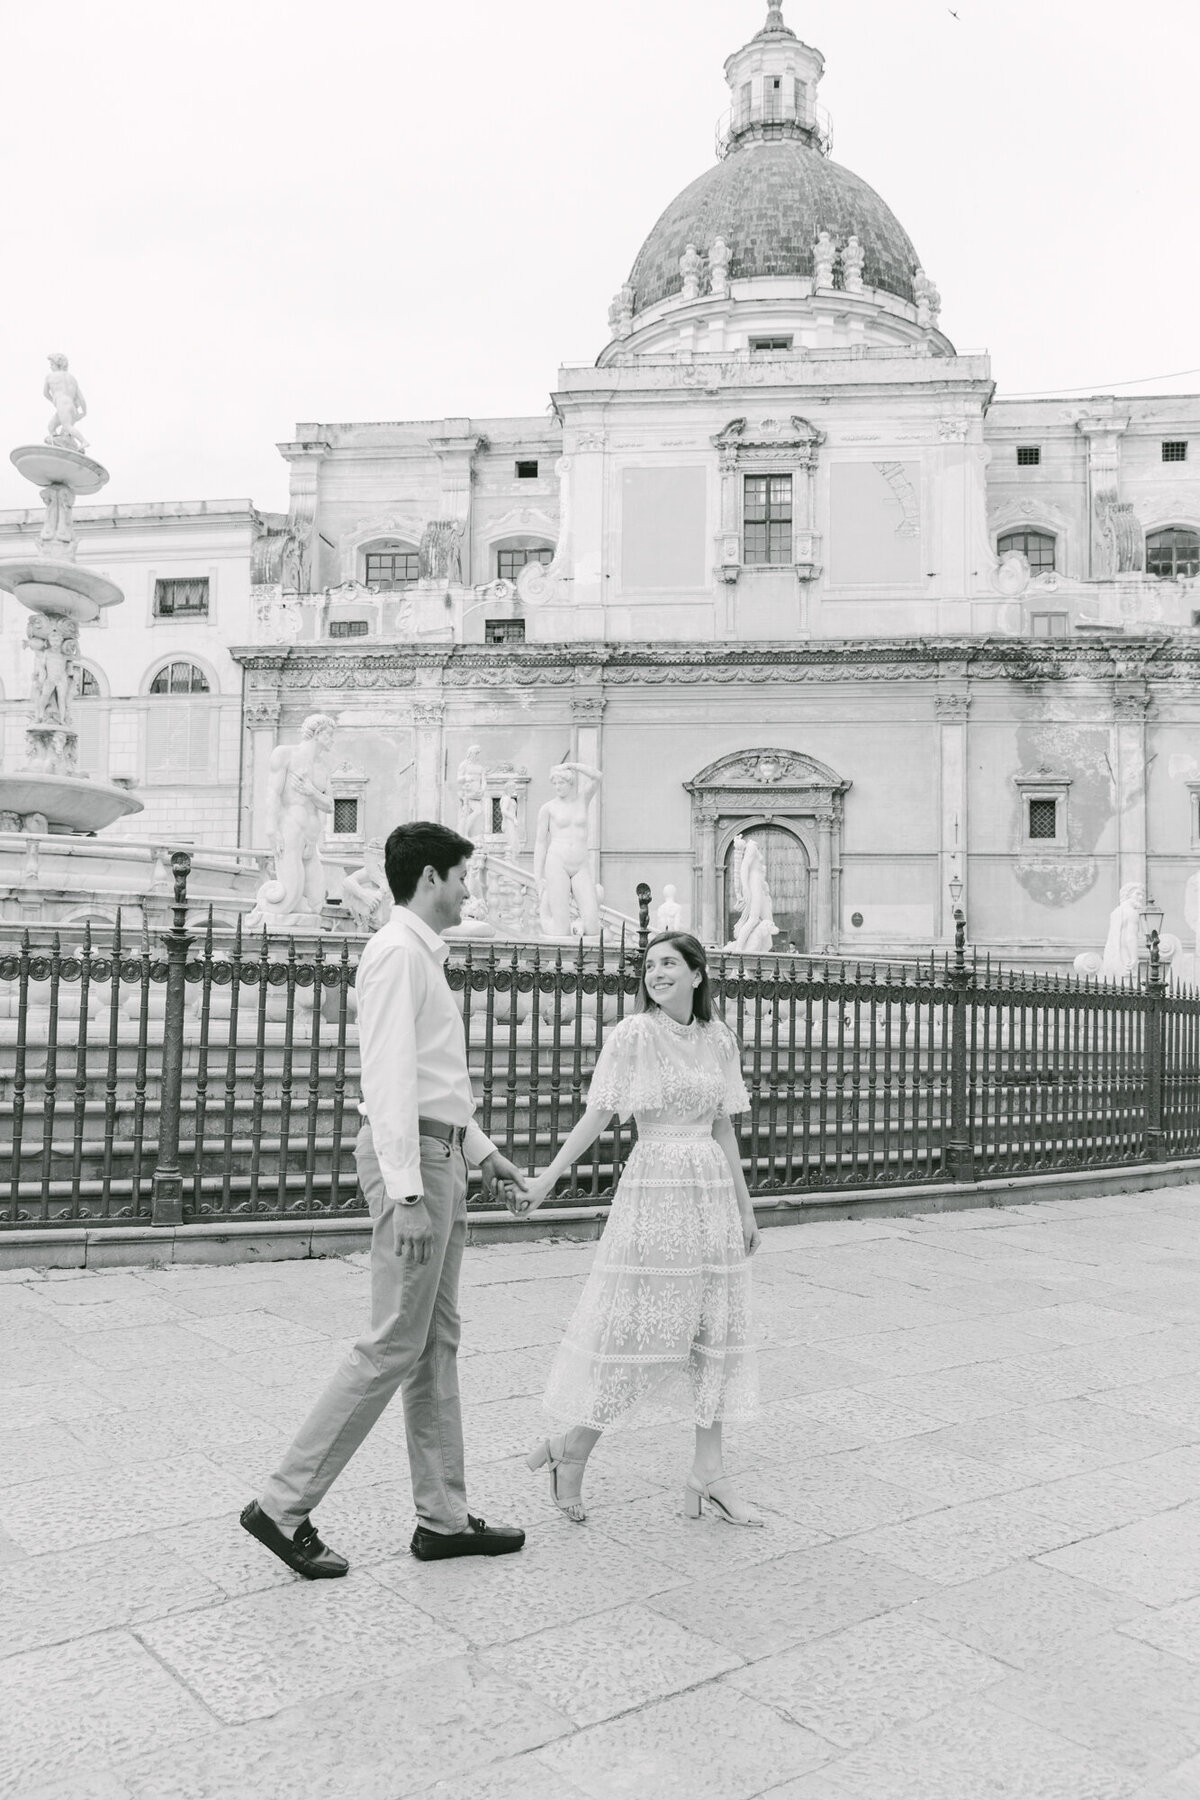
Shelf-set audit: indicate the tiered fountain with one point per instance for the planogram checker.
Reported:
(51, 794)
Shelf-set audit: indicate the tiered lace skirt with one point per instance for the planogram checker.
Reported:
(665, 1311)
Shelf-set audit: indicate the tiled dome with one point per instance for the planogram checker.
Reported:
(769, 201)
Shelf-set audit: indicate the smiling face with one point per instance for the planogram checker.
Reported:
(448, 895)
(671, 982)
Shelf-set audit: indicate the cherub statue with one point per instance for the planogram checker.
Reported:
(718, 266)
(66, 397)
(690, 266)
(853, 257)
(824, 251)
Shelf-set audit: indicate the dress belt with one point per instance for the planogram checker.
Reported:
(698, 1132)
(449, 1134)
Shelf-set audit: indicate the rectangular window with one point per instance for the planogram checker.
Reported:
(497, 816)
(180, 741)
(504, 631)
(767, 519)
(176, 599)
(527, 471)
(509, 563)
(1174, 450)
(763, 346)
(345, 817)
(392, 570)
(1043, 819)
(1028, 455)
(344, 628)
(773, 98)
(1048, 624)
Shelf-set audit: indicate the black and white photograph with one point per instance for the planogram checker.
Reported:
(600, 901)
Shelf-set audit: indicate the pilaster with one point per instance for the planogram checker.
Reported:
(951, 709)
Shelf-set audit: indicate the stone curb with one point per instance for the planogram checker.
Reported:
(277, 1240)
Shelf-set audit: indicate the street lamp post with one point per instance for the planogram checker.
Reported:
(1152, 919)
(962, 1146)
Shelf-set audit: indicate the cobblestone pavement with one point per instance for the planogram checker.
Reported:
(979, 1458)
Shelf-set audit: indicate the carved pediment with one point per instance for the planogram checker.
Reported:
(795, 439)
(766, 771)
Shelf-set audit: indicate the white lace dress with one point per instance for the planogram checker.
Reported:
(666, 1307)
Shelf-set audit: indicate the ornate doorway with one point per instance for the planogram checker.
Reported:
(787, 883)
(795, 802)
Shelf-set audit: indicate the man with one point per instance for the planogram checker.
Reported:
(412, 1153)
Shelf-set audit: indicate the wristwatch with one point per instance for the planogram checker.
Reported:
(410, 1200)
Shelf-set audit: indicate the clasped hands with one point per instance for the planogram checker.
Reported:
(534, 1191)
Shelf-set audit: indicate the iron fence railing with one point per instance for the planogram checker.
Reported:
(215, 1076)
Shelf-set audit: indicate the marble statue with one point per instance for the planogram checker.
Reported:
(756, 925)
(620, 313)
(1122, 538)
(441, 552)
(669, 916)
(470, 778)
(57, 536)
(365, 892)
(824, 251)
(1122, 947)
(718, 266)
(299, 799)
(510, 823)
(560, 859)
(690, 266)
(852, 266)
(55, 645)
(66, 397)
(929, 301)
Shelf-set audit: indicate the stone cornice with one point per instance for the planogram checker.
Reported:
(598, 665)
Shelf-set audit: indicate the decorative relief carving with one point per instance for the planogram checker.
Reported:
(427, 714)
(1132, 708)
(897, 478)
(953, 431)
(262, 715)
(951, 706)
(588, 708)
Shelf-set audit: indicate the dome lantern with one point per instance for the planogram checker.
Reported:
(773, 84)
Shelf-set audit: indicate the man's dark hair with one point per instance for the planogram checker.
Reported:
(411, 849)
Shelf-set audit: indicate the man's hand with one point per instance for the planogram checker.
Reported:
(414, 1233)
(537, 1190)
(502, 1176)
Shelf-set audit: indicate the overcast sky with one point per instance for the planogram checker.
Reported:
(239, 214)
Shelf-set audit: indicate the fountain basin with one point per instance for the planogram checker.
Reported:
(46, 463)
(59, 588)
(68, 803)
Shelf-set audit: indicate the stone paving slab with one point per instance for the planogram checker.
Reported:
(978, 1463)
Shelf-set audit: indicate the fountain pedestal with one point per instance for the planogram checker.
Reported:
(51, 794)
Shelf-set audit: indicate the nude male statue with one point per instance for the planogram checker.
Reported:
(560, 857)
(66, 397)
(55, 645)
(298, 799)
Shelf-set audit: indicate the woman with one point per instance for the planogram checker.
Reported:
(667, 1302)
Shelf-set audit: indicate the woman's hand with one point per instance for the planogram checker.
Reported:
(538, 1189)
(751, 1235)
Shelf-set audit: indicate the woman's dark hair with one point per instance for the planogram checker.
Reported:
(692, 952)
(411, 849)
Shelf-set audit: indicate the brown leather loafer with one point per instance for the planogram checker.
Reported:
(304, 1552)
(477, 1540)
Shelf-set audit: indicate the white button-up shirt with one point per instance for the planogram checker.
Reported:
(412, 1048)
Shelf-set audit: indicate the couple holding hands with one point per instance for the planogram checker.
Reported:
(666, 1306)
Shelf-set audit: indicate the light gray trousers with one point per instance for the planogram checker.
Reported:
(411, 1344)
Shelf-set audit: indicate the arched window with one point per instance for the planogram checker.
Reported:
(180, 678)
(89, 687)
(181, 739)
(1036, 546)
(1173, 553)
(91, 724)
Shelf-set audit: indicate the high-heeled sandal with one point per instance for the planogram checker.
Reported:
(543, 1456)
(695, 1494)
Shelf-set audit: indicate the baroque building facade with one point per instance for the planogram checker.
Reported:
(779, 562)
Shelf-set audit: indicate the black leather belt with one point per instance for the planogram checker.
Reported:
(449, 1134)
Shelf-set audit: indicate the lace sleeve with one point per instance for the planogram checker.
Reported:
(627, 1077)
(729, 1055)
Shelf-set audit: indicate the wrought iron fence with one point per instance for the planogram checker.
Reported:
(215, 1076)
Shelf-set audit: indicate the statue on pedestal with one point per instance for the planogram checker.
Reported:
(470, 779)
(718, 266)
(55, 645)
(669, 916)
(690, 266)
(824, 251)
(756, 925)
(852, 266)
(560, 858)
(510, 823)
(66, 397)
(441, 552)
(299, 799)
(57, 536)
(1122, 947)
(365, 892)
